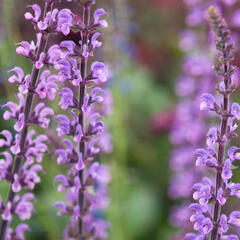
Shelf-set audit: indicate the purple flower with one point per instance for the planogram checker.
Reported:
(37, 13)
(234, 218)
(40, 115)
(63, 208)
(16, 184)
(223, 222)
(24, 207)
(78, 133)
(203, 191)
(232, 153)
(208, 102)
(64, 21)
(7, 212)
(236, 110)
(94, 40)
(227, 172)
(99, 72)
(8, 138)
(25, 48)
(19, 231)
(212, 137)
(47, 86)
(67, 99)
(15, 109)
(207, 226)
(222, 200)
(97, 14)
(39, 63)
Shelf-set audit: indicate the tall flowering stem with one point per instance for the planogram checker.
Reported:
(209, 221)
(27, 147)
(26, 120)
(86, 180)
(225, 70)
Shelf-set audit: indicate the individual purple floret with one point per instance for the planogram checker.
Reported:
(82, 99)
(20, 163)
(209, 220)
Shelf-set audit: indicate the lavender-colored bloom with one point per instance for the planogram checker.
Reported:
(64, 21)
(208, 102)
(85, 183)
(210, 223)
(97, 21)
(20, 162)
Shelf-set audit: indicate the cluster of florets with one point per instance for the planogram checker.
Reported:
(190, 86)
(82, 123)
(207, 218)
(27, 147)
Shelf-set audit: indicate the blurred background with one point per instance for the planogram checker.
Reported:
(141, 47)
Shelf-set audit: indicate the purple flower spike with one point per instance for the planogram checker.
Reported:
(86, 181)
(23, 151)
(210, 223)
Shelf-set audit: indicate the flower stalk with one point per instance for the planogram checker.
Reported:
(21, 171)
(209, 221)
(85, 182)
(27, 112)
(220, 29)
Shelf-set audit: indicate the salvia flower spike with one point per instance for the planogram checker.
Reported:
(209, 220)
(20, 163)
(81, 99)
